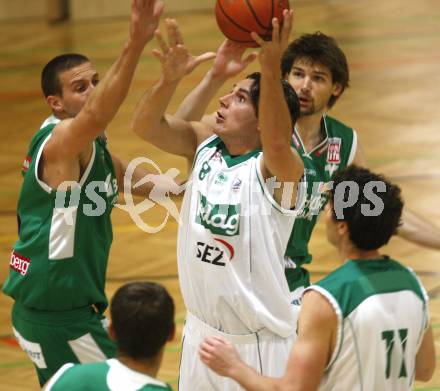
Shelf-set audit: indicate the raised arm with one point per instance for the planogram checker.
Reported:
(275, 122)
(71, 137)
(228, 63)
(149, 121)
(418, 230)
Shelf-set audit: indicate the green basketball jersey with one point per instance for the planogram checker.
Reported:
(110, 375)
(60, 259)
(382, 316)
(337, 150)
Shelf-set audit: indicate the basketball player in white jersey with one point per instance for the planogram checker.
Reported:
(235, 223)
(365, 327)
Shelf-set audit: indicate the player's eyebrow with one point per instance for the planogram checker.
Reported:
(244, 91)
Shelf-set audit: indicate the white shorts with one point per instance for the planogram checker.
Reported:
(295, 300)
(266, 352)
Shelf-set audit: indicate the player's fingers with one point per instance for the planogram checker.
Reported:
(158, 9)
(178, 34)
(275, 30)
(287, 25)
(172, 32)
(163, 45)
(249, 58)
(257, 38)
(204, 57)
(156, 53)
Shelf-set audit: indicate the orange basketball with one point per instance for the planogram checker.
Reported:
(238, 18)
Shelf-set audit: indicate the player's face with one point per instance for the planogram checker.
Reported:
(236, 113)
(313, 84)
(77, 84)
(331, 225)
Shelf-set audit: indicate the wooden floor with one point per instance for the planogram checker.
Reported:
(393, 48)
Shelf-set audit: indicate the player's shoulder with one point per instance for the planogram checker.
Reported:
(337, 128)
(79, 377)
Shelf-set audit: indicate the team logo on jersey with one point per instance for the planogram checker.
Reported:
(19, 263)
(27, 162)
(220, 219)
(215, 255)
(331, 169)
(334, 150)
(236, 184)
(221, 178)
(310, 171)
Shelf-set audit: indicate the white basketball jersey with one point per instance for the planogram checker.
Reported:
(382, 315)
(231, 245)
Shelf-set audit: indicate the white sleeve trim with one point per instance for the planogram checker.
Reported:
(44, 185)
(300, 195)
(354, 146)
(338, 311)
(204, 143)
(57, 375)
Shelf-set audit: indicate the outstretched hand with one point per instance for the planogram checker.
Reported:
(271, 51)
(145, 16)
(219, 355)
(229, 61)
(174, 56)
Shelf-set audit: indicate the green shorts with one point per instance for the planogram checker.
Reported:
(54, 338)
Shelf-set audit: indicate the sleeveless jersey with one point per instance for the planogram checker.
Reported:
(382, 315)
(59, 261)
(337, 150)
(231, 244)
(110, 375)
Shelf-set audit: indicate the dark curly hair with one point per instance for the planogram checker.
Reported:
(374, 212)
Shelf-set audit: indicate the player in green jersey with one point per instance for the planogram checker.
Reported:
(58, 265)
(142, 322)
(366, 325)
(317, 69)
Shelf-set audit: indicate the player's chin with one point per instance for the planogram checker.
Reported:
(219, 129)
(305, 111)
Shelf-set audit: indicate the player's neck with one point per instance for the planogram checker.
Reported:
(309, 129)
(148, 367)
(349, 251)
(239, 147)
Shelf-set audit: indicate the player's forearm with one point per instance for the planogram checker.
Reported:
(149, 120)
(276, 129)
(105, 101)
(196, 102)
(419, 231)
(274, 117)
(251, 380)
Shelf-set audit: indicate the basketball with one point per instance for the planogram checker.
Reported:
(238, 18)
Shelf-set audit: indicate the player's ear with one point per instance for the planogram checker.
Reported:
(55, 103)
(111, 331)
(342, 228)
(337, 89)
